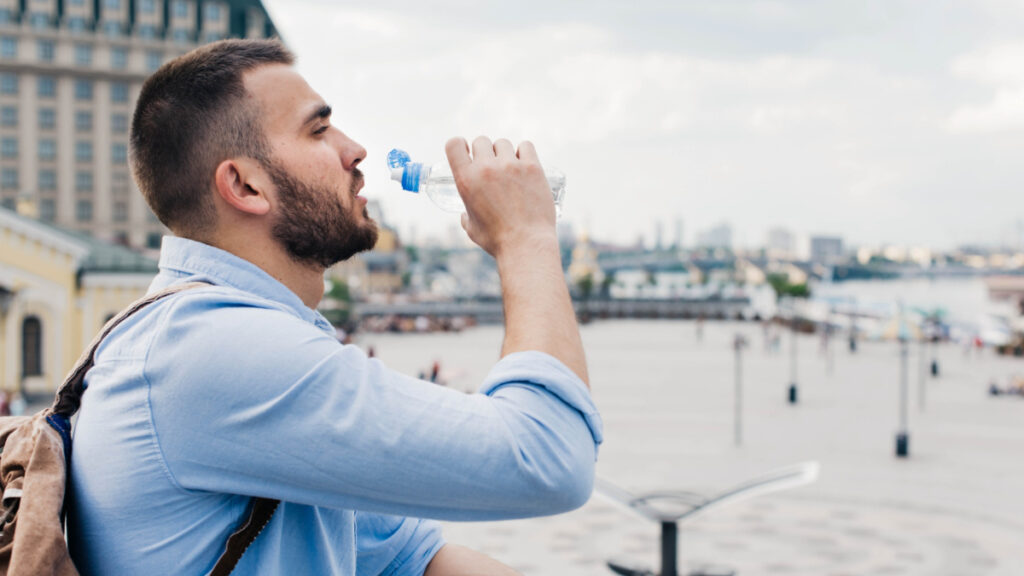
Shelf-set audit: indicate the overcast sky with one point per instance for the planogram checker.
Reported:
(889, 121)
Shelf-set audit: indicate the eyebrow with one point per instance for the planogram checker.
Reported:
(324, 111)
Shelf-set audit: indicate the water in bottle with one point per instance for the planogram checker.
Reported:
(437, 182)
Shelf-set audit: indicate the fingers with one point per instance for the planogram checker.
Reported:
(503, 149)
(527, 152)
(458, 153)
(482, 148)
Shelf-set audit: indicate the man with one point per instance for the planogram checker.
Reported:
(219, 394)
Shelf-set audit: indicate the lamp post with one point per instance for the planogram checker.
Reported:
(738, 343)
(922, 368)
(903, 434)
(793, 394)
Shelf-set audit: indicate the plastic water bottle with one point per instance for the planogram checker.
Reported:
(438, 184)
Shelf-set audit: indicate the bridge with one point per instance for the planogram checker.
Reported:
(490, 312)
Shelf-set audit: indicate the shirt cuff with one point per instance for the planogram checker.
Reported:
(546, 371)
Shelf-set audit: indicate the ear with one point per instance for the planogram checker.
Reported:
(243, 185)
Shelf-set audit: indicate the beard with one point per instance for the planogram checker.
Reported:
(314, 227)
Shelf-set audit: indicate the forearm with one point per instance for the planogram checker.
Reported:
(454, 560)
(538, 311)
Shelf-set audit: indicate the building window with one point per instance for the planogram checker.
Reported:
(120, 211)
(45, 50)
(180, 9)
(6, 16)
(147, 6)
(47, 118)
(47, 149)
(9, 116)
(118, 57)
(8, 47)
(76, 2)
(83, 181)
(112, 4)
(212, 37)
(83, 121)
(153, 240)
(8, 83)
(83, 151)
(9, 147)
(31, 347)
(83, 89)
(112, 29)
(9, 178)
(120, 183)
(83, 54)
(119, 153)
(39, 20)
(119, 123)
(118, 92)
(46, 86)
(83, 211)
(153, 60)
(181, 36)
(47, 180)
(76, 24)
(9, 203)
(212, 12)
(147, 31)
(47, 210)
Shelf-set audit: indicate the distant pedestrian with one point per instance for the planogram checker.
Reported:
(435, 371)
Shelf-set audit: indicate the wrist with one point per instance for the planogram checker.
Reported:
(528, 247)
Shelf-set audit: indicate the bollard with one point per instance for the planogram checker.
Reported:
(902, 445)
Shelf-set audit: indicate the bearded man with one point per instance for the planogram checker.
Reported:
(222, 394)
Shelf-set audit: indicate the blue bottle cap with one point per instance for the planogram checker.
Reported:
(398, 158)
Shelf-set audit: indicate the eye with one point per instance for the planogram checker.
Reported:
(321, 129)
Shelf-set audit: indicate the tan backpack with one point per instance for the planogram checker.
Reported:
(34, 455)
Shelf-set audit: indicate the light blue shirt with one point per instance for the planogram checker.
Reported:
(217, 394)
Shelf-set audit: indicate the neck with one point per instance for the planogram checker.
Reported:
(305, 280)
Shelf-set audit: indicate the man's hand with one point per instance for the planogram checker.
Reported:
(508, 199)
(453, 560)
(510, 213)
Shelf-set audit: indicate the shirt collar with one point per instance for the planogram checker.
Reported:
(182, 259)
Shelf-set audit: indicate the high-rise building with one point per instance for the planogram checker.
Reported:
(826, 249)
(781, 243)
(718, 237)
(70, 73)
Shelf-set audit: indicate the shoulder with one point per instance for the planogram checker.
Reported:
(210, 330)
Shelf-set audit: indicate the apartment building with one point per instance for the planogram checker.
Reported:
(70, 73)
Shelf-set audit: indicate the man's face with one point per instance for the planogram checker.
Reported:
(320, 218)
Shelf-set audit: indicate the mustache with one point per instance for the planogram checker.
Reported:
(357, 181)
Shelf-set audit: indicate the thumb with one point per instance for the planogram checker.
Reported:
(465, 222)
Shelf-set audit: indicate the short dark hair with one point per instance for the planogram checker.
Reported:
(191, 116)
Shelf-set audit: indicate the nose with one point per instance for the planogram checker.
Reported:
(351, 152)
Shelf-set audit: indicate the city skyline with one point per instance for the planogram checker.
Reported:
(882, 123)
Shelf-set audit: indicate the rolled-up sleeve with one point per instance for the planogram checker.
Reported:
(392, 545)
(268, 405)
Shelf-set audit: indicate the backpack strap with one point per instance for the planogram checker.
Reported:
(69, 399)
(69, 395)
(260, 512)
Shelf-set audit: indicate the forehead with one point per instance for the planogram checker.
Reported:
(283, 96)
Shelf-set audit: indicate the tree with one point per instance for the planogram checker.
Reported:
(780, 283)
(585, 286)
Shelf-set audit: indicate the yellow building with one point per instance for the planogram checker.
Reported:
(57, 289)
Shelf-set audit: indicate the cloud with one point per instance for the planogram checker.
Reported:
(999, 66)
